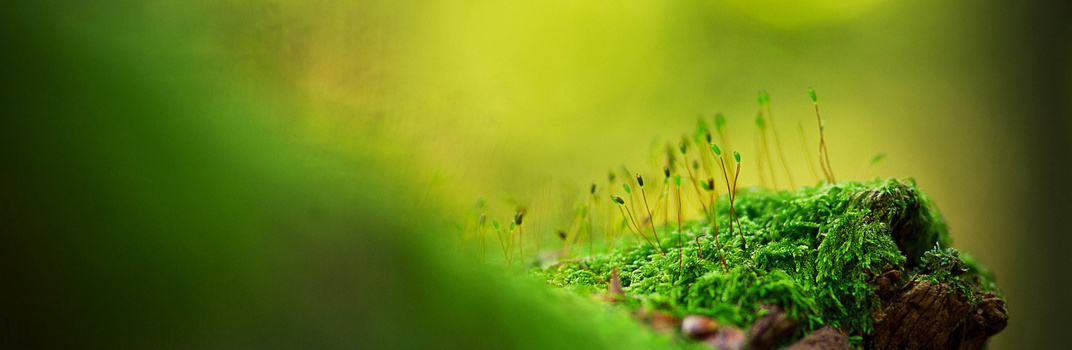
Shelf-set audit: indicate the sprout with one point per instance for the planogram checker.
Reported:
(520, 215)
(627, 190)
(701, 130)
(824, 153)
(592, 190)
(671, 160)
(495, 223)
(737, 156)
(611, 176)
(651, 221)
(714, 148)
(666, 171)
(683, 146)
(878, 158)
(617, 199)
(720, 122)
(759, 121)
(677, 180)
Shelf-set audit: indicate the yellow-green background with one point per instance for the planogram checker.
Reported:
(527, 102)
(495, 97)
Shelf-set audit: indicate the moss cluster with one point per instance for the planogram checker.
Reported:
(814, 252)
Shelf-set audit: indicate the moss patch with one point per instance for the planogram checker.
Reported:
(815, 252)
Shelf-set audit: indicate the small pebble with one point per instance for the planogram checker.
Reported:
(826, 338)
(698, 326)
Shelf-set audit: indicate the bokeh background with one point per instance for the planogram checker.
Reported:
(226, 161)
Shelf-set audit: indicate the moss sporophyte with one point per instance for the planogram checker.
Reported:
(853, 258)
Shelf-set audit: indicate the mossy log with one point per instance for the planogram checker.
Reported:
(844, 265)
(929, 315)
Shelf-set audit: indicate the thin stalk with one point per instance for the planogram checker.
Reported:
(681, 252)
(636, 228)
(640, 231)
(729, 195)
(666, 208)
(510, 245)
(652, 222)
(506, 256)
(571, 236)
(703, 156)
(658, 205)
(609, 224)
(695, 185)
(770, 163)
(714, 227)
(729, 190)
(778, 143)
(807, 152)
(628, 213)
(520, 236)
(759, 164)
(733, 211)
(823, 151)
(483, 238)
(591, 229)
(723, 135)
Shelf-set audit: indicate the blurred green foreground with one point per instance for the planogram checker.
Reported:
(147, 203)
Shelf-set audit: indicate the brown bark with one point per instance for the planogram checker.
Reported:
(928, 315)
(826, 338)
(768, 329)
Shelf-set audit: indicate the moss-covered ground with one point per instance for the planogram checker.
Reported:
(814, 251)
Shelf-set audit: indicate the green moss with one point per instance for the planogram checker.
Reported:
(963, 274)
(813, 251)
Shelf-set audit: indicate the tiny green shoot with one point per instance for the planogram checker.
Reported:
(723, 133)
(651, 221)
(824, 153)
(591, 229)
(520, 234)
(628, 213)
(737, 174)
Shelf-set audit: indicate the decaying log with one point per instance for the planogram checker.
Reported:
(929, 315)
(826, 338)
(768, 329)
